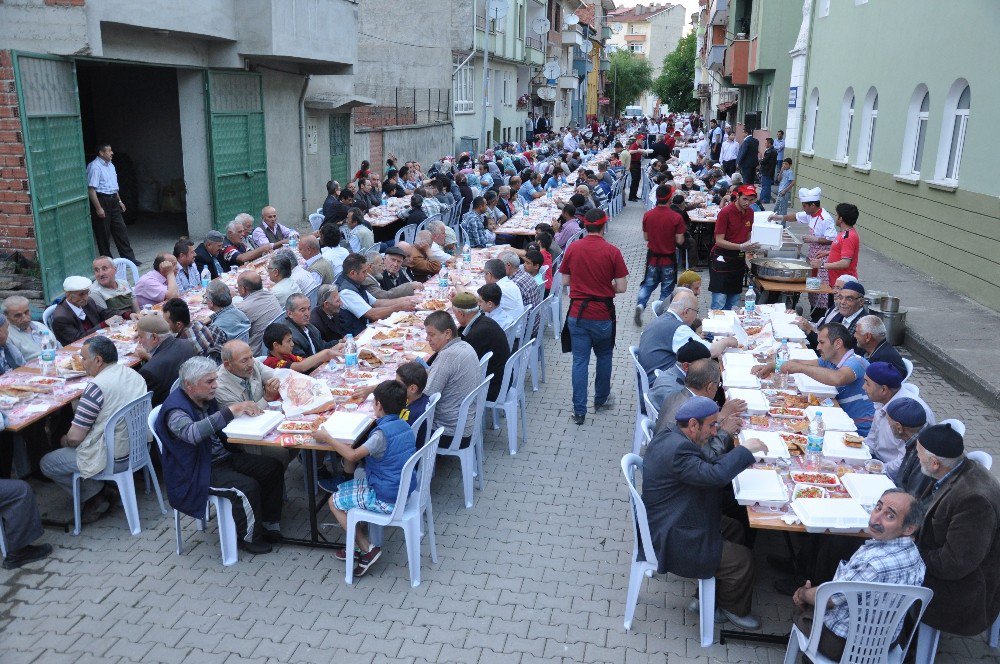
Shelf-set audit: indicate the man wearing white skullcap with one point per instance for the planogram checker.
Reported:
(77, 315)
(822, 231)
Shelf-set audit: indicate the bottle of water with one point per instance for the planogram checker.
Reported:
(467, 253)
(443, 278)
(350, 356)
(385, 199)
(293, 240)
(782, 357)
(817, 430)
(48, 355)
(206, 277)
(548, 193)
(750, 301)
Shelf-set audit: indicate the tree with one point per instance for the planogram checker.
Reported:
(675, 84)
(629, 77)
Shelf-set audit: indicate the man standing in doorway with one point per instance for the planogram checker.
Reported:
(529, 128)
(595, 272)
(715, 137)
(106, 205)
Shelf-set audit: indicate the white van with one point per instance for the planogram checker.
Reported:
(633, 111)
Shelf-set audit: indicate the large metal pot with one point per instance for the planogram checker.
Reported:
(789, 270)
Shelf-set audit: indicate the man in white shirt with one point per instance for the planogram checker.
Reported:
(358, 306)
(884, 385)
(438, 241)
(730, 150)
(106, 205)
(663, 127)
(25, 334)
(570, 141)
(512, 303)
(715, 135)
(279, 271)
(187, 270)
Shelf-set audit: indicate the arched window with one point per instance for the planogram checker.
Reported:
(869, 118)
(812, 114)
(916, 131)
(953, 128)
(846, 124)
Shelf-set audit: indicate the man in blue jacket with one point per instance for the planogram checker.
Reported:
(196, 461)
(680, 489)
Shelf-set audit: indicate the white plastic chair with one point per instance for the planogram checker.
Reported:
(471, 458)
(3, 542)
(408, 513)
(47, 316)
(641, 388)
(643, 568)
(316, 220)
(536, 361)
(511, 399)
(984, 459)
(406, 233)
(909, 368)
(658, 308)
(555, 300)
(652, 412)
(875, 611)
(313, 294)
(280, 318)
(134, 414)
(223, 511)
(426, 416)
(515, 331)
(647, 433)
(484, 363)
(125, 269)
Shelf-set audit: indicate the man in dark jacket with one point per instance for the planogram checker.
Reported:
(960, 538)
(747, 159)
(77, 315)
(307, 338)
(325, 317)
(680, 489)
(338, 210)
(485, 335)
(164, 354)
(768, 164)
(209, 254)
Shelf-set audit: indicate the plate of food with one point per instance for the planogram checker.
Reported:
(370, 358)
(342, 391)
(46, 381)
(787, 412)
(435, 305)
(795, 442)
(388, 335)
(819, 479)
(759, 421)
(70, 364)
(797, 426)
(295, 426)
(365, 376)
(809, 491)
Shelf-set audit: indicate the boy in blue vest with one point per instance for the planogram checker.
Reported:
(413, 376)
(385, 453)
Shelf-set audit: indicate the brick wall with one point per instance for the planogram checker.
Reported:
(17, 227)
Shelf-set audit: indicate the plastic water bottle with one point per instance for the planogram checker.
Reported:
(48, 355)
(779, 362)
(548, 193)
(443, 278)
(350, 356)
(750, 301)
(467, 253)
(817, 431)
(206, 277)
(293, 240)
(385, 199)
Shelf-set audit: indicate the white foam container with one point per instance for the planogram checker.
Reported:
(866, 488)
(760, 487)
(836, 515)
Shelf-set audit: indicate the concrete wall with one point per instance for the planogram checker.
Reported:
(284, 166)
(775, 24)
(425, 144)
(949, 235)
(194, 143)
(28, 25)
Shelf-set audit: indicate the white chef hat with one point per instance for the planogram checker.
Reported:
(71, 284)
(810, 195)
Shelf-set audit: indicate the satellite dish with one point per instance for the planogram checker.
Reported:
(587, 47)
(572, 19)
(551, 70)
(547, 94)
(496, 9)
(617, 28)
(540, 25)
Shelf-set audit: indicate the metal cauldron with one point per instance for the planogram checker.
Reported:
(889, 304)
(789, 270)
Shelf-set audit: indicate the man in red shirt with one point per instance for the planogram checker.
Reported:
(843, 253)
(727, 260)
(595, 272)
(663, 229)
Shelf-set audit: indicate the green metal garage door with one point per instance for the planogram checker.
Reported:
(57, 170)
(237, 152)
(340, 148)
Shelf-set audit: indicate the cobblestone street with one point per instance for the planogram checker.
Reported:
(535, 572)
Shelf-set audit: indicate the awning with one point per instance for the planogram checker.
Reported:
(337, 102)
(726, 105)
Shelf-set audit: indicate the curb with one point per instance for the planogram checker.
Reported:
(952, 370)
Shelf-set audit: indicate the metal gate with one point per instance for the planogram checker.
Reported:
(57, 170)
(237, 151)
(340, 148)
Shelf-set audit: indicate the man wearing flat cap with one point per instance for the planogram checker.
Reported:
(77, 315)
(848, 308)
(907, 418)
(672, 380)
(164, 354)
(485, 335)
(960, 537)
(822, 230)
(883, 385)
(209, 254)
(680, 489)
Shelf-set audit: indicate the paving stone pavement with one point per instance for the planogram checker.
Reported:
(535, 572)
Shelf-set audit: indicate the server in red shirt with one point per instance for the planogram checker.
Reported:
(663, 229)
(595, 272)
(843, 253)
(727, 260)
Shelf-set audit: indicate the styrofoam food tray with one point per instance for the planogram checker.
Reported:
(776, 448)
(757, 403)
(865, 488)
(740, 378)
(807, 385)
(254, 428)
(837, 515)
(834, 419)
(833, 446)
(760, 487)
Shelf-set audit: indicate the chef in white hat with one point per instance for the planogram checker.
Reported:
(822, 231)
(77, 315)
